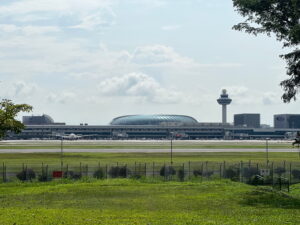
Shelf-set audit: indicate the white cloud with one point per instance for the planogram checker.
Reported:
(84, 14)
(28, 30)
(139, 85)
(171, 27)
(158, 54)
(63, 97)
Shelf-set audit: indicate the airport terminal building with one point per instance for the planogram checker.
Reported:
(151, 127)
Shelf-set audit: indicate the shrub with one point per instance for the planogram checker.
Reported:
(44, 177)
(256, 180)
(197, 173)
(231, 173)
(118, 171)
(180, 174)
(207, 173)
(99, 174)
(249, 172)
(167, 171)
(296, 173)
(26, 174)
(279, 170)
(72, 175)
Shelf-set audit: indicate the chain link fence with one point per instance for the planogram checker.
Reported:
(277, 174)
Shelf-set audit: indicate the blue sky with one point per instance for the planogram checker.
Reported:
(92, 60)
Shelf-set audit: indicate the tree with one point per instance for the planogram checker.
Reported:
(282, 18)
(8, 112)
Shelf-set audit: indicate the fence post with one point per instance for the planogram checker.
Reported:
(4, 174)
(220, 170)
(224, 169)
(165, 171)
(241, 173)
(189, 170)
(153, 166)
(87, 170)
(134, 168)
(126, 174)
(284, 169)
(106, 171)
(47, 172)
(183, 171)
(272, 171)
(290, 173)
(201, 171)
(80, 171)
(145, 169)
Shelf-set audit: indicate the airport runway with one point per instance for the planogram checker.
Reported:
(139, 150)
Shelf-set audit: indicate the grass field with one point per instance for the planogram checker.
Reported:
(111, 158)
(163, 144)
(146, 202)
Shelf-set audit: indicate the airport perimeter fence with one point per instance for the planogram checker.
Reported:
(278, 174)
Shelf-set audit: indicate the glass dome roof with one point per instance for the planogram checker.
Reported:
(176, 120)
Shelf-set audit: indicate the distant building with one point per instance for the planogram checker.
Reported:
(287, 121)
(247, 120)
(39, 120)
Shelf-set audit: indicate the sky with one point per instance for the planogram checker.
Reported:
(88, 61)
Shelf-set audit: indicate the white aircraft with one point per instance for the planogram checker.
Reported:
(73, 136)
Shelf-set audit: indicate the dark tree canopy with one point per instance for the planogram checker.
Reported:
(8, 112)
(282, 18)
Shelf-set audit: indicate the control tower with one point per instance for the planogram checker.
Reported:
(224, 101)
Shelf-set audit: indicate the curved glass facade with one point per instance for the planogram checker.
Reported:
(176, 120)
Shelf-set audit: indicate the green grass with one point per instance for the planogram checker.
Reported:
(164, 144)
(150, 146)
(130, 158)
(146, 202)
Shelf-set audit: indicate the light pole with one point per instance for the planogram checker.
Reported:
(267, 150)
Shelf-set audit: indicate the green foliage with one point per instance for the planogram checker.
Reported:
(99, 174)
(279, 17)
(279, 170)
(197, 173)
(118, 171)
(232, 173)
(256, 180)
(248, 172)
(181, 174)
(296, 173)
(26, 174)
(8, 112)
(167, 171)
(72, 175)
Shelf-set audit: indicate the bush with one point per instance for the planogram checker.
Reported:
(296, 173)
(99, 174)
(44, 177)
(26, 174)
(72, 175)
(207, 173)
(118, 171)
(167, 171)
(180, 174)
(256, 180)
(279, 170)
(197, 173)
(231, 173)
(249, 172)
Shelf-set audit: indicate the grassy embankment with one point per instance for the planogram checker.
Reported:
(146, 202)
